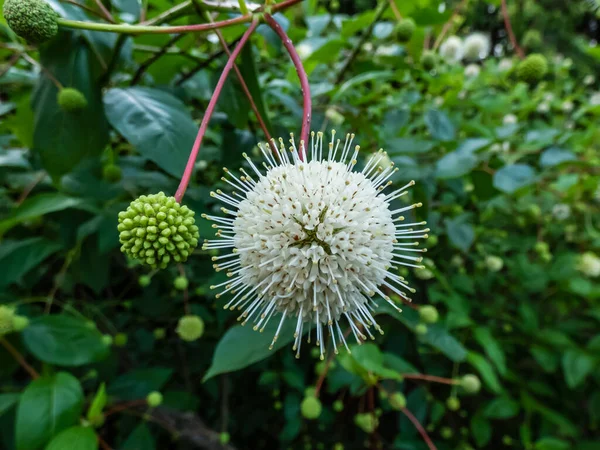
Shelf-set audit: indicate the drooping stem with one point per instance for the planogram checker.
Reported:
(287, 42)
(105, 11)
(15, 353)
(189, 168)
(419, 428)
(243, 7)
(432, 378)
(448, 24)
(509, 30)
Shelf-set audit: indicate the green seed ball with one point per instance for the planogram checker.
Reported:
(338, 446)
(112, 173)
(470, 383)
(405, 29)
(120, 340)
(159, 334)
(311, 408)
(224, 438)
(71, 100)
(181, 283)
(428, 60)
(310, 391)
(7, 317)
(20, 323)
(421, 329)
(144, 281)
(446, 432)
(107, 340)
(190, 328)
(453, 403)
(429, 314)
(157, 230)
(398, 401)
(367, 422)
(33, 20)
(154, 399)
(533, 68)
(338, 406)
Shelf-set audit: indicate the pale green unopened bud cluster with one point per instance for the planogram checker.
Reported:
(533, 68)
(156, 230)
(10, 322)
(33, 20)
(190, 328)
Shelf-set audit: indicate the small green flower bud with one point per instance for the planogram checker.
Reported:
(311, 408)
(156, 230)
(277, 405)
(338, 446)
(398, 401)
(405, 29)
(154, 399)
(367, 422)
(7, 317)
(453, 403)
(33, 20)
(181, 283)
(446, 432)
(159, 334)
(190, 328)
(310, 391)
(144, 280)
(429, 314)
(224, 438)
(533, 68)
(507, 440)
(494, 263)
(20, 323)
(120, 340)
(107, 340)
(71, 100)
(338, 406)
(428, 60)
(421, 329)
(532, 40)
(470, 383)
(112, 173)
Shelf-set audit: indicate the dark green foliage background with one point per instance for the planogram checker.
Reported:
(530, 331)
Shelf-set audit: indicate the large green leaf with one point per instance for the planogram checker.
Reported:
(64, 340)
(7, 401)
(47, 406)
(486, 371)
(492, 348)
(577, 365)
(513, 177)
(63, 139)
(74, 438)
(462, 160)
(139, 439)
(19, 257)
(439, 125)
(155, 122)
(248, 70)
(460, 232)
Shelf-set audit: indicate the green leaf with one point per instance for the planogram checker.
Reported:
(481, 429)
(74, 438)
(64, 340)
(155, 122)
(577, 365)
(139, 383)
(139, 439)
(550, 443)
(460, 232)
(37, 206)
(492, 348)
(408, 145)
(501, 408)
(512, 177)
(486, 371)
(48, 405)
(63, 139)
(439, 125)
(462, 160)
(7, 401)
(98, 403)
(19, 257)
(360, 79)
(370, 358)
(555, 156)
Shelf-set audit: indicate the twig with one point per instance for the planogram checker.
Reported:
(17, 355)
(107, 15)
(185, 179)
(395, 10)
(448, 24)
(304, 85)
(30, 187)
(509, 30)
(11, 62)
(144, 66)
(224, 402)
(419, 428)
(51, 77)
(201, 66)
(103, 444)
(433, 378)
(85, 7)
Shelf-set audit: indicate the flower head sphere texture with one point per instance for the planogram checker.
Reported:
(452, 49)
(476, 46)
(313, 239)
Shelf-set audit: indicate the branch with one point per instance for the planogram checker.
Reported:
(432, 378)
(448, 24)
(144, 66)
(419, 428)
(509, 30)
(17, 355)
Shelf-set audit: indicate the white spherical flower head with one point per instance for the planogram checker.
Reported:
(452, 49)
(476, 46)
(505, 65)
(509, 119)
(472, 70)
(314, 240)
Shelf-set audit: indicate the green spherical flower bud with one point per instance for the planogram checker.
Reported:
(494, 263)
(154, 399)
(470, 383)
(398, 401)
(311, 408)
(112, 173)
(429, 314)
(71, 100)
(338, 406)
(181, 283)
(20, 323)
(159, 333)
(507, 440)
(224, 438)
(428, 60)
(338, 446)
(144, 280)
(367, 422)
(33, 20)
(533, 68)
(107, 340)
(7, 317)
(190, 328)
(156, 230)
(542, 247)
(277, 405)
(446, 432)
(532, 40)
(310, 391)
(421, 329)
(405, 29)
(120, 340)
(453, 403)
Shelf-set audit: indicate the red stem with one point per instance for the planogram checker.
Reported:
(509, 30)
(419, 428)
(185, 179)
(287, 42)
(433, 378)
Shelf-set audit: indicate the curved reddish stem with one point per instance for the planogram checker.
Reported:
(189, 168)
(419, 428)
(433, 378)
(509, 30)
(287, 42)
